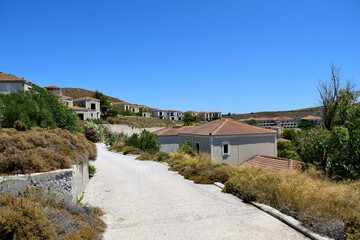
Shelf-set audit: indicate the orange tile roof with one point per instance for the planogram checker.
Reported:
(310, 117)
(273, 164)
(86, 98)
(78, 108)
(210, 112)
(226, 127)
(7, 77)
(65, 97)
(283, 118)
(190, 111)
(171, 131)
(52, 86)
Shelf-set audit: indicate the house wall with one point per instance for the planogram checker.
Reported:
(244, 147)
(204, 142)
(87, 114)
(9, 87)
(168, 143)
(68, 102)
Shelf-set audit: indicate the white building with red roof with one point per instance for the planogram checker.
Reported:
(229, 141)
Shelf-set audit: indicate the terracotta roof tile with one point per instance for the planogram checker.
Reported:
(171, 131)
(7, 77)
(310, 117)
(86, 98)
(78, 108)
(273, 164)
(283, 140)
(52, 86)
(226, 127)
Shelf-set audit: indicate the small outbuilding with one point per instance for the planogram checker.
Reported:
(168, 138)
(229, 141)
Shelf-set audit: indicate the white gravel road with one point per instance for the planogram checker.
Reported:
(143, 200)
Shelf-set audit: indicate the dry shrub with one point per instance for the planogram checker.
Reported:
(161, 157)
(41, 150)
(322, 205)
(146, 157)
(131, 150)
(20, 126)
(117, 146)
(20, 218)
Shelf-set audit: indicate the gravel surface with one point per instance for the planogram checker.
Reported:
(143, 200)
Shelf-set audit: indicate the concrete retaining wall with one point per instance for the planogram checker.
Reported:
(120, 128)
(68, 184)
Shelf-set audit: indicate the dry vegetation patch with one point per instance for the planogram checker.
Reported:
(141, 122)
(41, 150)
(39, 215)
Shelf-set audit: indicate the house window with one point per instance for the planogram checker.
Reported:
(197, 147)
(92, 115)
(93, 106)
(226, 149)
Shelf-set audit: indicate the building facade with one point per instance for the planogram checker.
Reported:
(10, 83)
(209, 116)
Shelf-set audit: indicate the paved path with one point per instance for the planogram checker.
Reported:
(143, 200)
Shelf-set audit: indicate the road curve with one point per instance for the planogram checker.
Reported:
(143, 200)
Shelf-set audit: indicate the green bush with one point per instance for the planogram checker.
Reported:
(187, 149)
(289, 134)
(145, 141)
(287, 150)
(92, 169)
(37, 107)
(131, 150)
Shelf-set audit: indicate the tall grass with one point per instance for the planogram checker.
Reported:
(327, 207)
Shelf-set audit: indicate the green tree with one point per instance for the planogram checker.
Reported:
(306, 125)
(252, 122)
(128, 113)
(145, 141)
(189, 119)
(287, 150)
(289, 134)
(37, 107)
(106, 108)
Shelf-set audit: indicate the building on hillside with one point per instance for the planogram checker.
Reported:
(274, 164)
(312, 119)
(229, 141)
(68, 101)
(286, 122)
(167, 114)
(192, 113)
(10, 83)
(270, 123)
(124, 106)
(92, 105)
(209, 116)
(146, 114)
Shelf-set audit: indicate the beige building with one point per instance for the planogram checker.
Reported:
(229, 141)
(10, 83)
(312, 119)
(192, 113)
(270, 123)
(123, 106)
(92, 105)
(209, 116)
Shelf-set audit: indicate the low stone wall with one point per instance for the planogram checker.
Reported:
(68, 184)
(121, 128)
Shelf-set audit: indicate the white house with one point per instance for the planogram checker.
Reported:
(10, 83)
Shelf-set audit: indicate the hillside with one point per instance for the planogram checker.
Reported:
(141, 122)
(315, 111)
(79, 92)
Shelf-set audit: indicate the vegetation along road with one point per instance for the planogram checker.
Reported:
(143, 200)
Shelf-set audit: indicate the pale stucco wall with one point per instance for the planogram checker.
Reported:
(244, 147)
(126, 129)
(9, 87)
(169, 143)
(204, 142)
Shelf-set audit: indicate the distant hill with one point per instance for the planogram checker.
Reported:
(300, 113)
(79, 92)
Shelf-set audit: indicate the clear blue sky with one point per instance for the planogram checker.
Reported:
(230, 56)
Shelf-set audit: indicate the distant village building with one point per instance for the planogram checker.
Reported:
(270, 123)
(192, 113)
(229, 141)
(209, 116)
(312, 119)
(167, 114)
(90, 108)
(10, 83)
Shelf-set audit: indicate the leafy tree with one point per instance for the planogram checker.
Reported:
(80, 104)
(252, 122)
(187, 149)
(287, 150)
(128, 113)
(37, 107)
(106, 108)
(189, 119)
(306, 125)
(289, 134)
(145, 141)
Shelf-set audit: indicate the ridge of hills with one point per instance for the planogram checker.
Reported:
(300, 113)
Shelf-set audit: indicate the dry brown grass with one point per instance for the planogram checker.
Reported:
(327, 207)
(141, 122)
(41, 150)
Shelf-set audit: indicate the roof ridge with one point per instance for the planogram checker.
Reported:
(218, 127)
